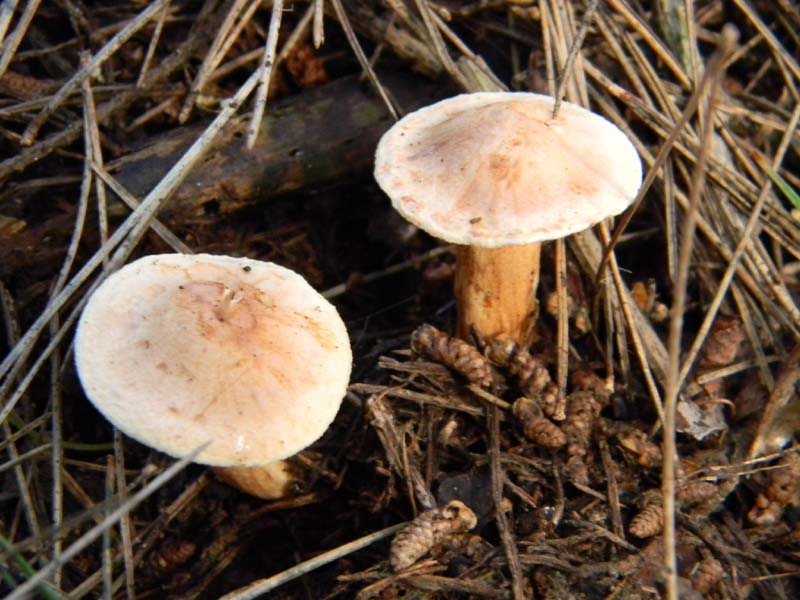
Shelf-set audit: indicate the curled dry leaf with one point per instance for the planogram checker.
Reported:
(429, 529)
(700, 419)
(723, 342)
(452, 352)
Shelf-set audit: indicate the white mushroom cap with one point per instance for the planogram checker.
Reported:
(178, 350)
(495, 169)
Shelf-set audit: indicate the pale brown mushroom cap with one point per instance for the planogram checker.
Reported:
(178, 350)
(494, 169)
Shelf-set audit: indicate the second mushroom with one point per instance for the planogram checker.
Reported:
(497, 174)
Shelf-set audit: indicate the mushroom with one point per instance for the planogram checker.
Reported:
(177, 350)
(497, 174)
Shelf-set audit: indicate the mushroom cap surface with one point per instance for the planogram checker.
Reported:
(494, 169)
(178, 350)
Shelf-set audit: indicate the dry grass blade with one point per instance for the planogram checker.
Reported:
(265, 73)
(714, 69)
(146, 539)
(23, 483)
(108, 572)
(503, 525)
(86, 71)
(557, 494)
(125, 522)
(21, 458)
(11, 44)
(781, 394)
(93, 149)
(658, 163)
(649, 349)
(151, 47)
(563, 316)
(109, 521)
(774, 43)
(652, 40)
(676, 20)
(28, 156)
(126, 236)
(6, 12)
(415, 262)
(575, 47)
(744, 243)
(438, 43)
(385, 424)
(257, 588)
(319, 23)
(344, 21)
(226, 35)
(172, 240)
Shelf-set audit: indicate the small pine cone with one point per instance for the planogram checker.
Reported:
(696, 492)
(536, 381)
(452, 352)
(582, 410)
(553, 403)
(577, 469)
(706, 574)
(544, 433)
(648, 522)
(530, 372)
(429, 529)
(537, 428)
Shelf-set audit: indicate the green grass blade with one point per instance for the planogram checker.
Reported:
(782, 185)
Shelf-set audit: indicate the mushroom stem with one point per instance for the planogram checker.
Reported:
(270, 482)
(495, 290)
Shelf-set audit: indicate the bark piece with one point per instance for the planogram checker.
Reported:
(325, 134)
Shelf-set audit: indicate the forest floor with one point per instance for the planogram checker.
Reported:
(693, 312)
